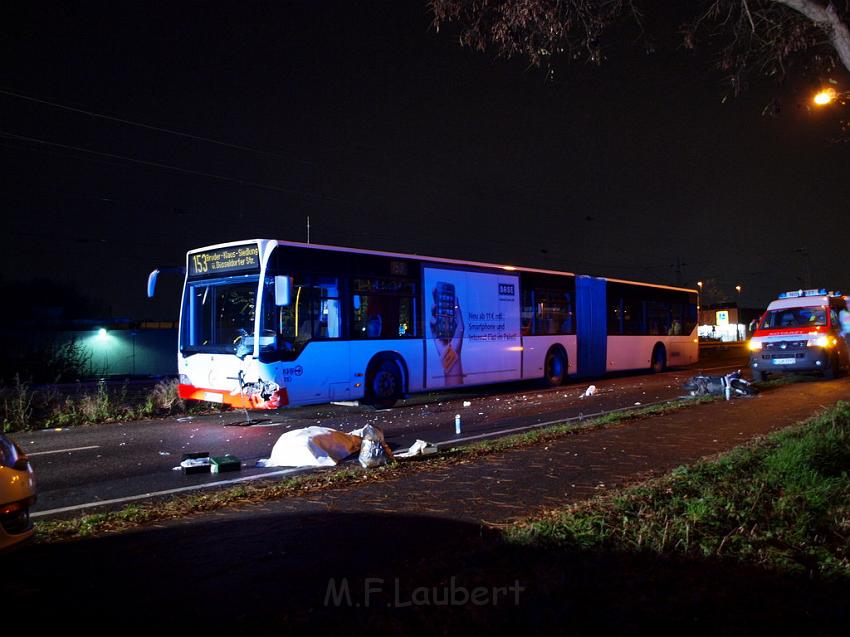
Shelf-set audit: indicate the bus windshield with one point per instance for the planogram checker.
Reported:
(218, 316)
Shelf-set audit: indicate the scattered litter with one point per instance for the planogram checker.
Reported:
(164, 453)
(457, 423)
(637, 403)
(467, 403)
(590, 391)
(418, 448)
(185, 419)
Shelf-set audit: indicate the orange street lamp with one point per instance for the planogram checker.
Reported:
(824, 96)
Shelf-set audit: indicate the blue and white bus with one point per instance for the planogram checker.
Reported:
(267, 323)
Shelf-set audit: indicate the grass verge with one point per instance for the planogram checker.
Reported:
(340, 477)
(782, 502)
(25, 408)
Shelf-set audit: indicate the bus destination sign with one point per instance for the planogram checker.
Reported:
(225, 261)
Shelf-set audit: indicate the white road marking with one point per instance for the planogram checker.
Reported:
(260, 476)
(153, 494)
(559, 421)
(30, 454)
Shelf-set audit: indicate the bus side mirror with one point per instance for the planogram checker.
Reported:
(153, 276)
(282, 290)
(152, 283)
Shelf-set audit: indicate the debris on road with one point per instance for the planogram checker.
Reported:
(225, 463)
(418, 448)
(728, 385)
(467, 403)
(590, 391)
(198, 462)
(374, 452)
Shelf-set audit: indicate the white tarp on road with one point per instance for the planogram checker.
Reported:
(312, 447)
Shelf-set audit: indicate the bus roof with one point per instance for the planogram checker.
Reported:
(264, 243)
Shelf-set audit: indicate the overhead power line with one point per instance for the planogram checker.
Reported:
(158, 129)
(185, 171)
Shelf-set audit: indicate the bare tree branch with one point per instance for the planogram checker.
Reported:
(748, 36)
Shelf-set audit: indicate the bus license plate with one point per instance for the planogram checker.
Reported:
(784, 361)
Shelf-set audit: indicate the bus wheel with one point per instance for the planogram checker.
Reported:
(384, 385)
(659, 359)
(555, 368)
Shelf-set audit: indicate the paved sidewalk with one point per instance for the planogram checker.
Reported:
(270, 567)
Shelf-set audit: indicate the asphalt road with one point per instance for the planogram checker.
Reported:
(378, 558)
(107, 466)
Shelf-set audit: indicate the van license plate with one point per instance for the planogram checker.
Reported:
(784, 361)
(217, 398)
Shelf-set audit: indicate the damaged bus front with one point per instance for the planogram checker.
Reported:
(222, 338)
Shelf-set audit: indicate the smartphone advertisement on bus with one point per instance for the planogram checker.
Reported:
(473, 327)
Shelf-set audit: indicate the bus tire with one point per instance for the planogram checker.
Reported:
(659, 359)
(384, 386)
(555, 367)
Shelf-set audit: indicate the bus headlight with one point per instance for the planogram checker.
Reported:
(754, 346)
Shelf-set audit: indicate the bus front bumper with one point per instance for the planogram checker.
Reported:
(240, 400)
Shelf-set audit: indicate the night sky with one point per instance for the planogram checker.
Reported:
(390, 136)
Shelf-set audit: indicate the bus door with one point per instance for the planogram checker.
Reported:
(319, 369)
(591, 327)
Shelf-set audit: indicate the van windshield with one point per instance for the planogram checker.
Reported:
(794, 317)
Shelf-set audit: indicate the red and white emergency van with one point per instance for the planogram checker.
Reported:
(800, 332)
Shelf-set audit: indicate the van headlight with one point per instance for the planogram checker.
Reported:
(822, 341)
(754, 346)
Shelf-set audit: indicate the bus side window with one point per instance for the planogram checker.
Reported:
(383, 308)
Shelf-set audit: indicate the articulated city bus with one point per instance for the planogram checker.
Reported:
(266, 323)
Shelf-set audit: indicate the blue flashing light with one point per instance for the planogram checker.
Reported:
(793, 294)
